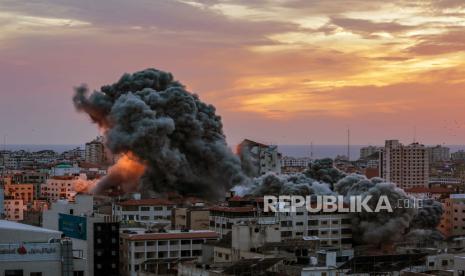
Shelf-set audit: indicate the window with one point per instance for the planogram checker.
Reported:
(35, 274)
(78, 273)
(17, 272)
(145, 208)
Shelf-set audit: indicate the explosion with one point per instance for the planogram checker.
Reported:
(124, 176)
(177, 137)
(169, 140)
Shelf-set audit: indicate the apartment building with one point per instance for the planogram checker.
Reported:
(407, 166)
(367, 151)
(61, 187)
(260, 158)
(95, 151)
(14, 209)
(294, 164)
(158, 253)
(193, 218)
(25, 192)
(438, 154)
(152, 210)
(333, 230)
(453, 219)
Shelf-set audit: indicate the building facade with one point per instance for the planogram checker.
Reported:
(438, 154)
(406, 166)
(158, 253)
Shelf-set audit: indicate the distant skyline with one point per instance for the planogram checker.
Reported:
(281, 72)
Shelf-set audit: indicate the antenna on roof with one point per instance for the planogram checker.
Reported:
(311, 150)
(348, 144)
(414, 134)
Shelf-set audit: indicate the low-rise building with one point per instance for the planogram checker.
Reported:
(158, 253)
(31, 250)
(148, 211)
(95, 236)
(191, 218)
(453, 218)
(14, 209)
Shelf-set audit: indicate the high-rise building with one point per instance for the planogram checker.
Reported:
(406, 166)
(458, 155)
(258, 158)
(367, 151)
(438, 154)
(95, 151)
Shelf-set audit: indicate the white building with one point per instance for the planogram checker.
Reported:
(30, 250)
(65, 170)
(159, 252)
(94, 236)
(406, 166)
(148, 211)
(333, 230)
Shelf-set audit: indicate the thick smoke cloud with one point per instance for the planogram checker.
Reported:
(368, 228)
(294, 184)
(179, 138)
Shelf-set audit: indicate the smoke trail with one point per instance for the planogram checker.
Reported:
(178, 137)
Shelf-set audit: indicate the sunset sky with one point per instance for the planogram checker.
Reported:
(283, 72)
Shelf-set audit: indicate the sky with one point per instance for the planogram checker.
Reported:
(281, 72)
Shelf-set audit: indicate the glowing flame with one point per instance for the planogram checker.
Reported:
(84, 186)
(124, 175)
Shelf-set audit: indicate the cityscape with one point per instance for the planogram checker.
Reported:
(229, 137)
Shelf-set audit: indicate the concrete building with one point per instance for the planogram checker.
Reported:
(65, 170)
(190, 218)
(159, 253)
(458, 155)
(259, 158)
(61, 187)
(332, 230)
(35, 251)
(95, 236)
(453, 218)
(406, 166)
(436, 193)
(95, 151)
(25, 192)
(367, 151)
(294, 164)
(148, 211)
(14, 209)
(438, 154)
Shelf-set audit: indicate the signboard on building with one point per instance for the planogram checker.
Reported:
(30, 252)
(73, 226)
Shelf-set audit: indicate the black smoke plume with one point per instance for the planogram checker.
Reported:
(178, 137)
(405, 222)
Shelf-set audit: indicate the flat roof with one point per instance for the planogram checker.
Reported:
(12, 226)
(172, 236)
(146, 202)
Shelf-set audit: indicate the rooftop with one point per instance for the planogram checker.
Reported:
(14, 226)
(173, 235)
(148, 201)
